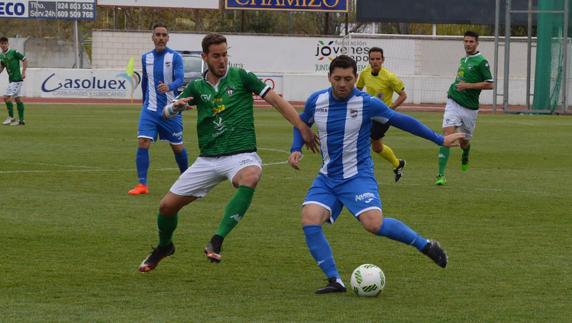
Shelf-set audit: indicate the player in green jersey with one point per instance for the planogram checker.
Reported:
(227, 144)
(10, 60)
(473, 75)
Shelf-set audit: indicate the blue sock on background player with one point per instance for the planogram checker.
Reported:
(142, 161)
(399, 231)
(182, 160)
(320, 250)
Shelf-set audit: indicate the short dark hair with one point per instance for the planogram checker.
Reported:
(343, 61)
(3, 39)
(159, 24)
(212, 39)
(375, 50)
(471, 33)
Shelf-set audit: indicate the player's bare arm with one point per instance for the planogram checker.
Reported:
(24, 68)
(461, 86)
(400, 99)
(290, 114)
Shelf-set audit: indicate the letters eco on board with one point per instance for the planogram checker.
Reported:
(48, 9)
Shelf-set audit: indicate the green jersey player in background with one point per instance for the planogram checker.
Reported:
(227, 145)
(462, 107)
(10, 60)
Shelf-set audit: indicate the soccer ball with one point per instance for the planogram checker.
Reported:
(367, 280)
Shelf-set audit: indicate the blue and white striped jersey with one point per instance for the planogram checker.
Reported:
(167, 67)
(344, 129)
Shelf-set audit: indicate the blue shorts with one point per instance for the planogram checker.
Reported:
(358, 194)
(153, 125)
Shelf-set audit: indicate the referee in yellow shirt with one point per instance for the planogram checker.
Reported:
(382, 83)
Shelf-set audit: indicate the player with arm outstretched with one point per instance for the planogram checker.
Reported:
(343, 116)
(227, 144)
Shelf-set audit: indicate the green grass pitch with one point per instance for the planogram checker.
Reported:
(72, 239)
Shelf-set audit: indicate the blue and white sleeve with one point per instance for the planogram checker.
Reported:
(414, 126)
(308, 117)
(178, 73)
(144, 80)
(382, 113)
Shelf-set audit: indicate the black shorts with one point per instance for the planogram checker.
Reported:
(378, 130)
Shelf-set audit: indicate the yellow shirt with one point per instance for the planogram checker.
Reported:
(382, 85)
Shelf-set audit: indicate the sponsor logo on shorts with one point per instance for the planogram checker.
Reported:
(365, 197)
(246, 161)
(177, 134)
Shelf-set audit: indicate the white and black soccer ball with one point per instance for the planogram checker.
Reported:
(367, 280)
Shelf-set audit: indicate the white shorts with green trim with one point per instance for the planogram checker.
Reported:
(206, 172)
(460, 117)
(14, 89)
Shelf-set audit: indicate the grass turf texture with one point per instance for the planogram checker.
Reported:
(72, 238)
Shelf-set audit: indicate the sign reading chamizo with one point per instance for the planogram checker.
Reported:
(290, 5)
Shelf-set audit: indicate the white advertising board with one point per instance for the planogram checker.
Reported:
(303, 54)
(194, 4)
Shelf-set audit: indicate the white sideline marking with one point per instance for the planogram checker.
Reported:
(95, 169)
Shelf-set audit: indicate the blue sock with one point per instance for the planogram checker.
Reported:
(142, 162)
(399, 231)
(320, 250)
(182, 160)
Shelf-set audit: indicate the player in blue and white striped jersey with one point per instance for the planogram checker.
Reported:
(163, 75)
(343, 116)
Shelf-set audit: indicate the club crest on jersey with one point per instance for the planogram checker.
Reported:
(168, 64)
(229, 91)
(206, 97)
(354, 113)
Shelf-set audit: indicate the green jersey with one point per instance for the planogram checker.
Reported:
(10, 59)
(225, 119)
(472, 69)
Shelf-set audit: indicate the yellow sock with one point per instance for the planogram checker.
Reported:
(389, 155)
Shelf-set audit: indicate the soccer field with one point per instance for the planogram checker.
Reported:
(72, 238)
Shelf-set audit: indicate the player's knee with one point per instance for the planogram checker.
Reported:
(18, 99)
(371, 221)
(178, 149)
(7, 99)
(144, 143)
(314, 215)
(377, 146)
(249, 177)
(167, 207)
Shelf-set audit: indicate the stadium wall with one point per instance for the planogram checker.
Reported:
(295, 66)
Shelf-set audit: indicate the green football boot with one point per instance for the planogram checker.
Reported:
(440, 181)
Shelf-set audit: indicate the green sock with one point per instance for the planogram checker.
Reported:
(466, 152)
(443, 158)
(10, 107)
(166, 225)
(20, 106)
(235, 210)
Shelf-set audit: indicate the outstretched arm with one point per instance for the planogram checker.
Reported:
(290, 114)
(414, 126)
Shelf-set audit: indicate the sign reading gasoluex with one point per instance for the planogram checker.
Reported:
(48, 9)
(290, 5)
(82, 83)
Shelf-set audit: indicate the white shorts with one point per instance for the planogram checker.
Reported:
(14, 89)
(206, 172)
(460, 117)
